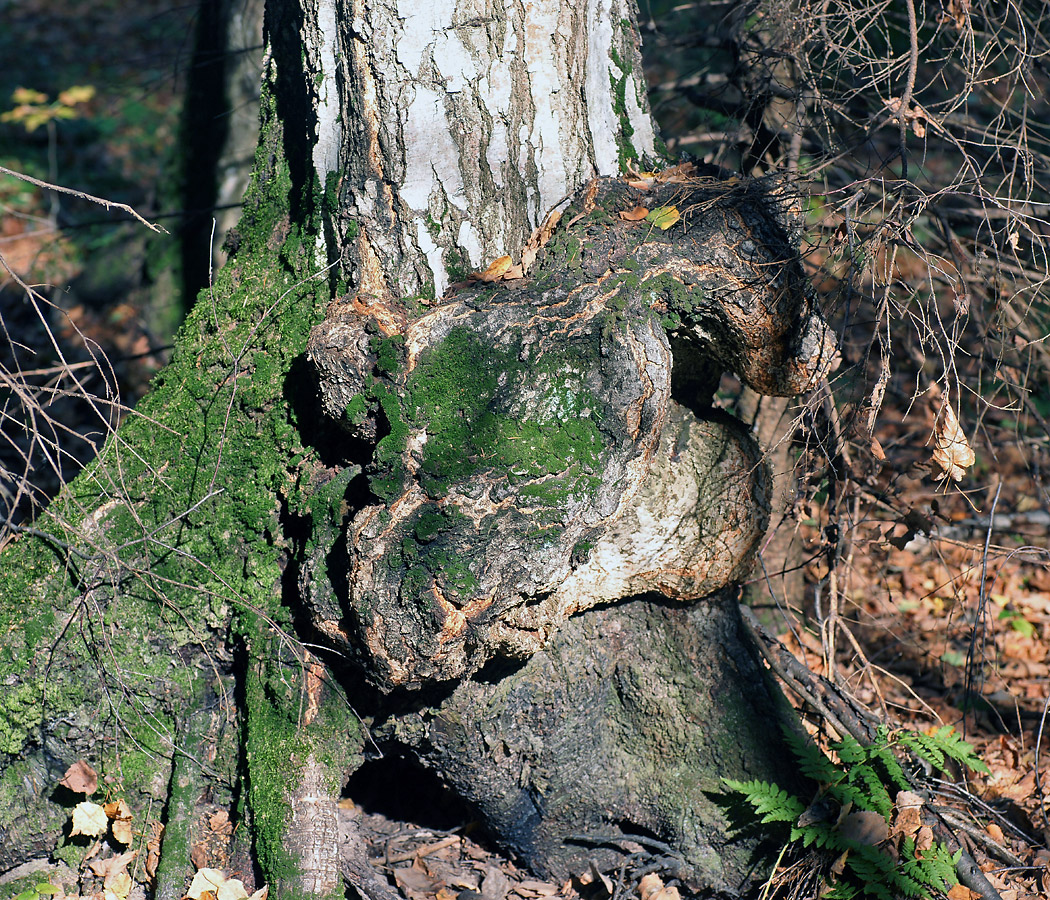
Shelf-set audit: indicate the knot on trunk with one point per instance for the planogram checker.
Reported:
(527, 459)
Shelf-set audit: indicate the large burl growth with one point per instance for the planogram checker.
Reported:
(535, 447)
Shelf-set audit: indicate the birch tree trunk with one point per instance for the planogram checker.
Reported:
(167, 619)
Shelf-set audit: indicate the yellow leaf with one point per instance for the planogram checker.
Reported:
(28, 95)
(79, 93)
(232, 889)
(663, 217)
(118, 886)
(89, 819)
(205, 881)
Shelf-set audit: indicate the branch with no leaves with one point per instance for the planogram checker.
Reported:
(101, 201)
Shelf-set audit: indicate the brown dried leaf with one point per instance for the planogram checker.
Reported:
(121, 830)
(877, 451)
(80, 778)
(219, 822)
(156, 833)
(120, 813)
(651, 887)
(908, 816)
(497, 268)
(677, 174)
(952, 452)
(634, 215)
(864, 827)
(111, 865)
(538, 239)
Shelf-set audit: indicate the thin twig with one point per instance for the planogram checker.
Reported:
(101, 201)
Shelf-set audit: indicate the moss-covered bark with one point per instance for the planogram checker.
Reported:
(132, 606)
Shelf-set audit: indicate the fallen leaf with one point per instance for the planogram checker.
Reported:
(80, 778)
(117, 886)
(634, 215)
(538, 239)
(261, 894)
(232, 889)
(495, 271)
(923, 839)
(663, 217)
(952, 452)
(677, 174)
(908, 814)
(651, 887)
(89, 819)
(206, 880)
(112, 864)
(120, 813)
(995, 832)
(864, 827)
(219, 822)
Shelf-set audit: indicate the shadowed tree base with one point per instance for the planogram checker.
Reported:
(624, 724)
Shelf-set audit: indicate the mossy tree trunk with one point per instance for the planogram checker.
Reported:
(156, 619)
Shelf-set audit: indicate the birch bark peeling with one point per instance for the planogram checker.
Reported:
(466, 123)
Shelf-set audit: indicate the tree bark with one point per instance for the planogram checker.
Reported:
(176, 585)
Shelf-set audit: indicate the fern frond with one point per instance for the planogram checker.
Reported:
(811, 759)
(924, 747)
(873, 793)
(770, 802)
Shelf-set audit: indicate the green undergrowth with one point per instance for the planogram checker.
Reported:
(877, 856)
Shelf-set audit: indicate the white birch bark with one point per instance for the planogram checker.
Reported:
(456, 125)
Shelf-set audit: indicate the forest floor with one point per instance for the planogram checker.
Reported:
(942, 609)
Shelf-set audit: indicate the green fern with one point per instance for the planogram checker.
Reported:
(865, 778)
(945, 742)
(771, 803)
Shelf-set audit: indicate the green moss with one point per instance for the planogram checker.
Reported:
(457, 266)
(189, 498)
(625, 150)
(356, 409)
(681, 300)
(452, 394)
(389, 352)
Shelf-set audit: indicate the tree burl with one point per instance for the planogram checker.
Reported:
(537, 446)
